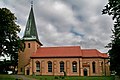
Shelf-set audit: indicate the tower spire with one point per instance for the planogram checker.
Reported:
(31, 30)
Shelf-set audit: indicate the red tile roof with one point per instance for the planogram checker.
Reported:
(67, 51)
(93, 53)
(105, 55)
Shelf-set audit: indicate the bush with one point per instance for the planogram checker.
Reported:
(18, 79)
(56, 77)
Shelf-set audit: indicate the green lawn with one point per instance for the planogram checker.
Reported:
(9, 77)
(6, 77)
(72, 78)
(91, 78)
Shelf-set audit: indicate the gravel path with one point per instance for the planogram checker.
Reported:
(22, 77)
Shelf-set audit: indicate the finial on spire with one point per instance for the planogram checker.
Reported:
(31, 3)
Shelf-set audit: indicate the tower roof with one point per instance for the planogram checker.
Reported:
(31, 31)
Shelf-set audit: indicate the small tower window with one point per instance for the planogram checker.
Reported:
(28, 45)
(37, 46)
(24, 45)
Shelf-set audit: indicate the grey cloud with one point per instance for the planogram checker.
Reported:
(66, 22)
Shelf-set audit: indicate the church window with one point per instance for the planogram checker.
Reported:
(28, 45)
(37, 66)
(93, 67)
(102, 66)
(49, 66)
(74, 66)
(20, 69)
(61, 66)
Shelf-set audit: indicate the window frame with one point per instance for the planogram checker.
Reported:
(61, 66)
(49, 66)
(102, 66)
(74, 66)
(93, 67)
(29, 45)
(37, 66)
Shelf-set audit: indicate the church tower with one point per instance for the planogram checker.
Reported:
(31, 43)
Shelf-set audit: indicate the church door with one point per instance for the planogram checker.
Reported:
(27, 72)
(85, 72)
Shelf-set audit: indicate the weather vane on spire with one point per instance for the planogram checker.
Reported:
(31, 3)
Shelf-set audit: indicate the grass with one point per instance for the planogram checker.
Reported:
(92, 78)
(72, 78)
(6, 77)
(9, 77)
(42, 77)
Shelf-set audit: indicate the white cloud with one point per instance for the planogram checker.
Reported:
(66, 22)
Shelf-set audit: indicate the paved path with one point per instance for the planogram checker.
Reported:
(22, 77)
(117, 78)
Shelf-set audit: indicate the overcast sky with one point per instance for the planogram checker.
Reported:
(66, 22)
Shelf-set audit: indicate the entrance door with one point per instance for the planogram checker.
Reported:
(85, 72)
(27, 72)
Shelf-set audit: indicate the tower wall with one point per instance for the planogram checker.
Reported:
(32, 43)
(24, 57)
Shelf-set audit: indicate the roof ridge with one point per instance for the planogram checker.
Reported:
(58, 46)
(89, 49)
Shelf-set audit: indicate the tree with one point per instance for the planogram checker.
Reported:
(10, 43)
(113, 9)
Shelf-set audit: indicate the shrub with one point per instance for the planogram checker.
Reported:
(56, 77)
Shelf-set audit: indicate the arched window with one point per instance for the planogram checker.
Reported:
(93, 67)
(102, 66)
(74, 66)
(37, 66)
(61, 66)
(49, 66)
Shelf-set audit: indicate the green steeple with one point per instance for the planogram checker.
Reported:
(30, 30)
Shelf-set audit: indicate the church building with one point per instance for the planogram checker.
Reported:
(72, 60)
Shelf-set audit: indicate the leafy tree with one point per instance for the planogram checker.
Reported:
(5, 66)
(10, 43)
(113, 9)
